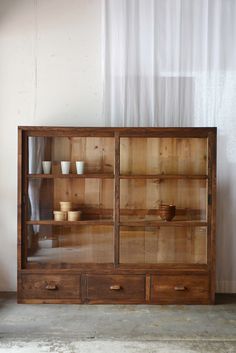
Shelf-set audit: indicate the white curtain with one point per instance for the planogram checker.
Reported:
(36, 148)
(173, 63)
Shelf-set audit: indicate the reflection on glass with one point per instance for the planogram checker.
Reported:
(37, 148)
(92, 196)
(71, 245)
(40, 203)
(149, 245)
(97, 153)
(140, 198)
(139, 155)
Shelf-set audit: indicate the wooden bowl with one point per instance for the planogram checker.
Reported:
(167, 212)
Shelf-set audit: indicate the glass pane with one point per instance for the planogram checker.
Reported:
(140, 155)
(40, 199)
(93, 197)
(96, 152)
(69, 244)
(149, 245)
(140, 199)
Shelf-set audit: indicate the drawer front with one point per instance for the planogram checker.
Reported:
(115, 289)
(180, 289)
(34, 286)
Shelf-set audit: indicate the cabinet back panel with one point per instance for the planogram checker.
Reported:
(97, 152)
(163, 245)
(163, 155)
(144, 196)
(93, 196)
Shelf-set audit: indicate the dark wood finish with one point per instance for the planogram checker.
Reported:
(24, 193)
(105, 282)
(19, 201)
(212, 213)
(46, 286)
(115, 288)
(180, 289)
(106, 131)
(117, 200)
(148, 288)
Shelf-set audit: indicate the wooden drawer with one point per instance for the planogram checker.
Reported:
(115, 289)
(180, 289)
(40, 286)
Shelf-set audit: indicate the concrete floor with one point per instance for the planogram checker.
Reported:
(117, 328)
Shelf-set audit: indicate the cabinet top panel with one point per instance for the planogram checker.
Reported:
(122, 131)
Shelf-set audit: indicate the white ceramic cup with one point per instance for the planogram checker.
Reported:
(80, 167)
(46, 167)
(65, 167)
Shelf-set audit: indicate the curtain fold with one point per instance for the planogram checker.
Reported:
(173, 63)
(36, 149)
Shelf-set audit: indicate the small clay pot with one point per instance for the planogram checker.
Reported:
(167, 212)
(66, 206)
(60, 216)
(74, 215)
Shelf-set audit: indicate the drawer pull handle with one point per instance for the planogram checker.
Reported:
(180, 288)
(115, 287)
(51, 286)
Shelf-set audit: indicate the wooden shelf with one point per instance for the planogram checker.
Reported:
(70, 223)
(126, 223)
(111, 176)
(164, 176)
(80, 176)
(160, 223)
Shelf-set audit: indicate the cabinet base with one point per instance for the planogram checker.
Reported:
(113, 288)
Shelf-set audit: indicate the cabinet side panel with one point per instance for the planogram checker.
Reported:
(212, 211)
(19, 201)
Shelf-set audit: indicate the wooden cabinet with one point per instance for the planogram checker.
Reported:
(120, 249)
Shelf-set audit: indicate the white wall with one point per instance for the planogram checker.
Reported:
(50, 74)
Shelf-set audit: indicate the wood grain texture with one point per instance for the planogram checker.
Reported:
(35, 287)
(165, 289)
(117, 201)
(155, 245)
(212, 147)
(148, 288)
(72, 175)
(126, 132)
(132, 288)
(140, 155)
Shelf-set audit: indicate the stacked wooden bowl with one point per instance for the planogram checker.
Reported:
(167, 212)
